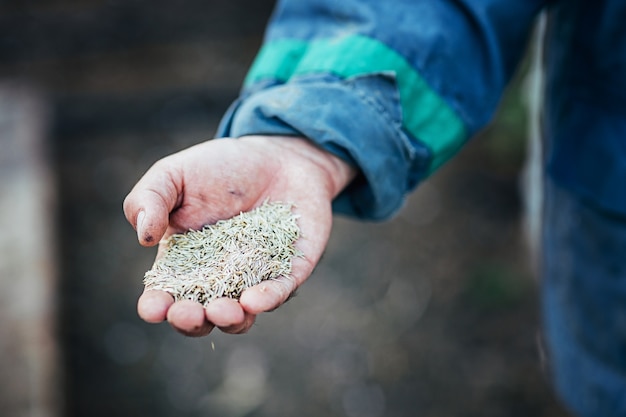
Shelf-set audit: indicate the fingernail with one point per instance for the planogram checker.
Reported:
(139, 226)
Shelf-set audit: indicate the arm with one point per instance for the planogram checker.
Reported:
(396, 88)
(383, 92)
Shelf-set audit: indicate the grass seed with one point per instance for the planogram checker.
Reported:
(223, 259)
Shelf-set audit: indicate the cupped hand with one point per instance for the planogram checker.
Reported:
(217, 180)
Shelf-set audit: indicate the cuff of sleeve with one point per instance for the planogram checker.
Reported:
(358, 119)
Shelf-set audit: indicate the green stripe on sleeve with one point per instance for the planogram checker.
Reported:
(277, 61)
(425, 114)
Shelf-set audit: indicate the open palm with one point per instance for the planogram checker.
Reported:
(217, 180)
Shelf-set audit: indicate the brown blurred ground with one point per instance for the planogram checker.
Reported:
(434, 313)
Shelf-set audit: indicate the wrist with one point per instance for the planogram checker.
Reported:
(336, 172)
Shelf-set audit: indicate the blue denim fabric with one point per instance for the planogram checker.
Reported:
(584, 303)
(586, 100)
(466, 50)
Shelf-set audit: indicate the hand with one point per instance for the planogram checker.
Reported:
(217, 180)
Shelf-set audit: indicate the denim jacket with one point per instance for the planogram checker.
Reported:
(397, 87)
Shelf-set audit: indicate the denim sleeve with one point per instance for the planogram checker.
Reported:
(362, 127)
(395, 88)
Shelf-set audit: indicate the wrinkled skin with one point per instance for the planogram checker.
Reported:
(217, 180)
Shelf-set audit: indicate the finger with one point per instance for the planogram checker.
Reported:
(188, 318)
(148, 205)
(268, 295)
(224, 312)
(228, 315)
(152, 305)
(241, 328)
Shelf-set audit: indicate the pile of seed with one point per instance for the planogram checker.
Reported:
(223, 259)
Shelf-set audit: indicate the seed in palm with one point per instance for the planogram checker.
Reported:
(223, 259)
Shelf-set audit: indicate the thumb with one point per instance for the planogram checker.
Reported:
(148, 205)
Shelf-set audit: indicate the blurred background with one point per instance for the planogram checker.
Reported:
(434, 313)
